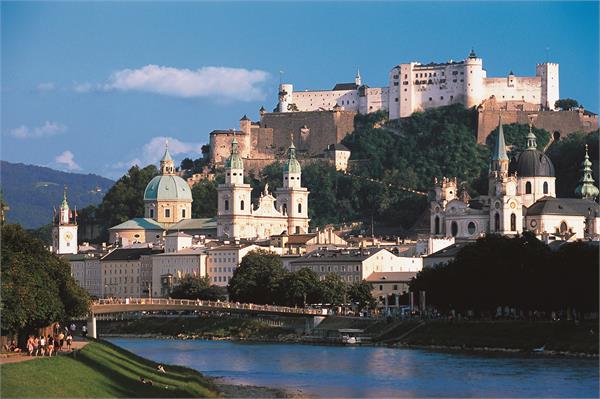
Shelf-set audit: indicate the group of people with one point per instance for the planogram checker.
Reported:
(61, 339)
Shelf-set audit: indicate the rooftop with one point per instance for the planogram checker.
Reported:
(338, 255)
(345, 86)
(139, 224)
(194, 224)
(390, 277)
(563, 206)
(130, 253)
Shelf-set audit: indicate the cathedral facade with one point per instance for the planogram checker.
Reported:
(521, 197)
(287, 212)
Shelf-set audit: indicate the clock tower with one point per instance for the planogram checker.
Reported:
(64, 232)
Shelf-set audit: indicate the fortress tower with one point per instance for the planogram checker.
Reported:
(548, 72)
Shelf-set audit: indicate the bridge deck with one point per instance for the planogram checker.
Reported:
(104, 306)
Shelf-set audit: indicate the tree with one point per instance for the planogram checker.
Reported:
(566, 104)
(37, 287)
(515, 136)
(258, 278)
(361, 293)
(187, 164)
(196, 287)
(300, 287)
(205, 197)
(333, 289)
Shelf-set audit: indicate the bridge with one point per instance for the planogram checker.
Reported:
(125, 305)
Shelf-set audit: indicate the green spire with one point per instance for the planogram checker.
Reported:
(531, 140)
(499, 153)
(292, 165)
(167, 155)
(234, 161)
(586, 188)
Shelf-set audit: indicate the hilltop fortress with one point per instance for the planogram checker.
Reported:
(318, 119)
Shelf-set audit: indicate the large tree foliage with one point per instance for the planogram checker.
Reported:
(360, 292)
(567, 156)
(299, 288)
(518, 272)
(196, 287)
(566, 104)
(37, 287)
(205, 198)
(258, 278)
(515, 136)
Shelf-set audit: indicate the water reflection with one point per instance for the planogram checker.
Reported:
(377, 372)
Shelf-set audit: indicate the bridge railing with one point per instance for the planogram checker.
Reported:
(218, 305)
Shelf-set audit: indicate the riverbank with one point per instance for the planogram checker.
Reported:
(102, 369)
(565, 338)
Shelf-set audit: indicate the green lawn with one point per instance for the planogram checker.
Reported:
(100, 370)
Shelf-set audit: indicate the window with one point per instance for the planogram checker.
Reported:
(299, 208)
(471, 228)
(151, 213)
(513, 222)
(395, 287)
(454, 229)
(496, 221)
(167, 213)
(528, 188)
(563, 227)
(395, 83)
(297, 229)
(242, 205)
(183, 213)
(284, 209)
(381, 288)
(437, 225)
(545, 187)
(226, 205)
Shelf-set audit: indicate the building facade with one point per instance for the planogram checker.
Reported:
(238, 218)
(223, 260)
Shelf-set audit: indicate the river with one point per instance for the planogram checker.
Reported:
(337, 371)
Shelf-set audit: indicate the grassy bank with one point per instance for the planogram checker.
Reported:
(100, 370)
(202, 327)
(564, 336)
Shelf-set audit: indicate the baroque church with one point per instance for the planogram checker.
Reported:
(285, 213)
(521, 197)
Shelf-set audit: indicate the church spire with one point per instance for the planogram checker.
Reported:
(500, 145)
(586, 188)
(357, 79)
(167, 165)
(531, 139)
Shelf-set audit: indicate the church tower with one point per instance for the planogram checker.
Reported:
(586, 188)
(234, 212)
(506, 210)
(64, 232)
(292, 198)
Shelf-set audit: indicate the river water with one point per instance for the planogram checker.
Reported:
(337, 371)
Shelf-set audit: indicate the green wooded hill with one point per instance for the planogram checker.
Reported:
(32, 191)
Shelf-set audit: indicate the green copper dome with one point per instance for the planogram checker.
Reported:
(234, 161)
(586, 188)
(166, 188)
(292, 165)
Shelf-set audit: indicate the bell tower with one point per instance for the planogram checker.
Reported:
(64, 231)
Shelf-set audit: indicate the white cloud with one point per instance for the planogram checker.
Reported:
(67, 160)
(155, 148)
(47, 129)
(82, 87)
(46, 86)
(220, 82)
(127, 164)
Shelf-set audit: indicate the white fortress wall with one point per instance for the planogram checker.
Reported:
(326, 99)
(513, 88)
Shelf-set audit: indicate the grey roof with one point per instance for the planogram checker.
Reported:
(194, 224)
(563, 206)
(345, 86)
(531, 163)
(130, 253)
(449, 251)
(338, 255)
(337, 147)
(139, 223)
(178, 234)
(390, 277)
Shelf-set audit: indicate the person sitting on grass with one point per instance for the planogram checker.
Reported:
(161, 368)
(13, 347)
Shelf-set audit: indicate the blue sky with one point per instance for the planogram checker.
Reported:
(93, 87)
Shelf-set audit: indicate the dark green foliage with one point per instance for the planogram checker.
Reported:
(360, 292)
(32, 191)
(333, 290)
(518, 272)
(192, 287)
(515, 136)
(258, 278)
(205, 198)
(37, 287)
(567, 156)
(299, 288)
(186, 164)
(566, 104)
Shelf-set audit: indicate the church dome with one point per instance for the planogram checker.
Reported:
(167, 187)
(532, 163)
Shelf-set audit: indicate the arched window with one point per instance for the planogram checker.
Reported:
(563, 227)
(528, 187)
(496, 221)
(454, 229)
(471, 228)
(226, 205)
(437, 225)
(513, 222)
(285, 209)
(151, 213)
(545, 187)
(242, 205)
(183, 213)
(299, 208)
